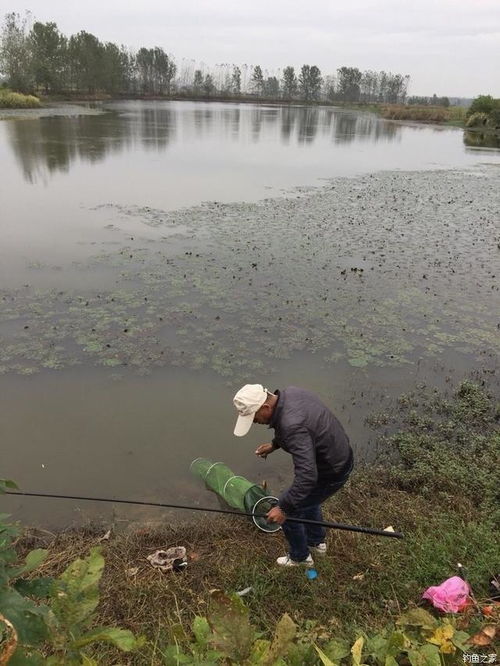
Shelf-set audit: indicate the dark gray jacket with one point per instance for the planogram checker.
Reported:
(307, 429)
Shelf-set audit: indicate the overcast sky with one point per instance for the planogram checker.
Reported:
(448, 47)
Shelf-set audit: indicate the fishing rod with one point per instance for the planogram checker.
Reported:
(336, 526)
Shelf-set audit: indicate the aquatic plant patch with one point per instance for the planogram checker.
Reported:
(378, 270)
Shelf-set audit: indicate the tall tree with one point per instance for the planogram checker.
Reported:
(272, 87)
(368, 86)
(349, 80)
(198, 82)
(330, 87)
(114, 73)
(208, 85)
(236, 81)
(145, 70)
(164, 70)
(48, 52)
(86, 56)
(396, 86)
(289, 85)
(258, 80)
(15, 57)
(310, 82)
(128, 68)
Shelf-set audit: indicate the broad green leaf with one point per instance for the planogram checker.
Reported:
(38, 587)
(7, 556)
(85, 573)
(443, 633)
(376, 647)
(120, 638)
(357, 651)
(396, 643)
(33, 561)
(418, 617)
(427, 655)
(212, 658)
(442, 638)
(283, 636)
(25, 615)
(390, 661)
(232, 632)
(260, 649)
(201, 631)
(337, 650)
(26, 657)
(300, 654)
(75, 594)
(325, 660)
(173, 656)
(460, 639)
(7, 484)
(8, 532)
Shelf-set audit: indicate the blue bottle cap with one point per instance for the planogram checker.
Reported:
(311, 574)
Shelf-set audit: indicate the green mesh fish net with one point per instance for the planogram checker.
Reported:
(236, 491)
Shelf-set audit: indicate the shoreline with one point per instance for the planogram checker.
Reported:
(368, 107)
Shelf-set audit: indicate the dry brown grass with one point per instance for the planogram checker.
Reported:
(428, 114)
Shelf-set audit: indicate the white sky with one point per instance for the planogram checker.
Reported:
(448, 47)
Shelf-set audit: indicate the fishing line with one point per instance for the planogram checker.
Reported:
(336, 526)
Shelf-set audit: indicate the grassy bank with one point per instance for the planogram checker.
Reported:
(438, 483)
(13, 100)
(452, 115)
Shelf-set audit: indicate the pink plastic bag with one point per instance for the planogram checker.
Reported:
(451, 596)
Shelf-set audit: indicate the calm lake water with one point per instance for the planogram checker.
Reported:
(132, 309)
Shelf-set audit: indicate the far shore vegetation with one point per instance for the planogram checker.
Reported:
(36, 59)
(437, 482)
(14, 100)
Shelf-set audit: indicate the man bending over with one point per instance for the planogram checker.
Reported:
(322, 459)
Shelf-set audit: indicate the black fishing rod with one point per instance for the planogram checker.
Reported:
(336, 526)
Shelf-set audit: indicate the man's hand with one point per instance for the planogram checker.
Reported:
(264, 450)
(276, 515)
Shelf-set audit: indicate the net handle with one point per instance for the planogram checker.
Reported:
(274, 501)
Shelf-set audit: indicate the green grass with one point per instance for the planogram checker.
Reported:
(13, 100)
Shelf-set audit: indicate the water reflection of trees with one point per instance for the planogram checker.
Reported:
(157, 127)
(303, 123)
(47, 145)
(307, 126)
(481, 139)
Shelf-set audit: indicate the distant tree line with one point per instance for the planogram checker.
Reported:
(429, 101)
(37, 57)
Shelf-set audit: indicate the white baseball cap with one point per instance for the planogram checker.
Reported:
(247, 401)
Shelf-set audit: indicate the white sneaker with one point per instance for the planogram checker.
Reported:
(286, 561)
(320, 549)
